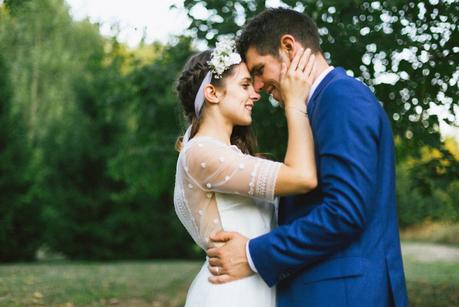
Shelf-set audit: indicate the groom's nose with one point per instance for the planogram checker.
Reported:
(258, 84)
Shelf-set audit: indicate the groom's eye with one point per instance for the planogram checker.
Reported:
(258, 71)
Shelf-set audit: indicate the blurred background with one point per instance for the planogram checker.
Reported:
(89, 119)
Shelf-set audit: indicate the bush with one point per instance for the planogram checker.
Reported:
(428, 189)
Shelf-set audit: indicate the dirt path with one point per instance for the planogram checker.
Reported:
(429, 252)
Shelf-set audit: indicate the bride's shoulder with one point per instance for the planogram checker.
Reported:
(208, 144)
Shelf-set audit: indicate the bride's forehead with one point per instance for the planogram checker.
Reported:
(240, 72)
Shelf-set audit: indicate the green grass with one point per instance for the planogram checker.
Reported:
(164, 283)
(152, 283)
(432, 284)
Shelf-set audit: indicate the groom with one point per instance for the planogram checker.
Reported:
(339, 244)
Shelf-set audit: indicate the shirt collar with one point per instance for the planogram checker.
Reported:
(318, 80)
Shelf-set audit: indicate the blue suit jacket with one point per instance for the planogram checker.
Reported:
(339, 244)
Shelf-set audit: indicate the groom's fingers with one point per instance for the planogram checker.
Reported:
(221, 279)
(214, 261)
(222, 236)
(213, 252)
(216, 270)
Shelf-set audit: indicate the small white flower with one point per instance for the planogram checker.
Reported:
(223, 56)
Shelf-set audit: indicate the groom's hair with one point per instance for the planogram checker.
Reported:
(265, 30)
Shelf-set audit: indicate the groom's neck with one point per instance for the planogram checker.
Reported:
(321, 65)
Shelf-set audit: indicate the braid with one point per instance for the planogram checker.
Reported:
(188, 85)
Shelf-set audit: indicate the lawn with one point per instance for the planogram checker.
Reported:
(164, 283)
(151, 283)
(433, 285)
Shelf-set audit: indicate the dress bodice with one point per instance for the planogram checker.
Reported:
(245, 215)
(217, 187)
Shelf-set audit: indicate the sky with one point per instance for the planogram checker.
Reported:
(133, 17)
(159, 23)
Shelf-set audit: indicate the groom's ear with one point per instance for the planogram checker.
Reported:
(211, 94)
(288, 46)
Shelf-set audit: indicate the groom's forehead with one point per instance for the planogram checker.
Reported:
(253, 58)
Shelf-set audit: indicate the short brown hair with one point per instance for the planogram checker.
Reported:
(265, 30)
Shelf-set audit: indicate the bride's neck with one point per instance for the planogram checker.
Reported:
(215, 126)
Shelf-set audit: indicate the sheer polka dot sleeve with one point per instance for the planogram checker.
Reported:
(217, 167)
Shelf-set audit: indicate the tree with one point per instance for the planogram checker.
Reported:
(406, 51)
(21, 229)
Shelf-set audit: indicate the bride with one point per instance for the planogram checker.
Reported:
(220, 183)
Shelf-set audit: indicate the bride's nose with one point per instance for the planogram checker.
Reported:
(254, 95)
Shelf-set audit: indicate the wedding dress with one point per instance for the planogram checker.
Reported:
(219, 188)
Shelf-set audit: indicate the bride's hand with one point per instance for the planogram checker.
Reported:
(296, 80)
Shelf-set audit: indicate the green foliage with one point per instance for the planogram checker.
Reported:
(88, 126)
(406, 51)
(21, 231)
(97, 122)
(428, 188)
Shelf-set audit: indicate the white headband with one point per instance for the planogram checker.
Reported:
(199, 100)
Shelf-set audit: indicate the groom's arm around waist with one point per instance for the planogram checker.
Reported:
(346, 123)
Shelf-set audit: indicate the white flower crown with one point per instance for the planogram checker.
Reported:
(223, 56)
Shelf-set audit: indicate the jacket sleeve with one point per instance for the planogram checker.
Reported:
(346, 123)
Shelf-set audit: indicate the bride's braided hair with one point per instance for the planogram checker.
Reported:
(187, 87)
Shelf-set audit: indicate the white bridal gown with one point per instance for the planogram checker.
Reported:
(216, 189)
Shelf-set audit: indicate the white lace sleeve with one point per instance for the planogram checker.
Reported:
(217, 167)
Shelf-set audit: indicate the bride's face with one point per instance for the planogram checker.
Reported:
(240, 96)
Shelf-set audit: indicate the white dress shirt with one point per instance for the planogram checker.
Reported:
(313, 88)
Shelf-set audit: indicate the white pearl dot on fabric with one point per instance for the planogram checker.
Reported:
(251, 184)
(201, 212)
(203, 165)
(190, 185)
(209, 185)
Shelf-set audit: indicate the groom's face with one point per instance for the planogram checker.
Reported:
(265, 71)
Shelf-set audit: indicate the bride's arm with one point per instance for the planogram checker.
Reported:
(298, 172)
(215, 167)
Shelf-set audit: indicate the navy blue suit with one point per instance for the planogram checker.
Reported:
(339, 244)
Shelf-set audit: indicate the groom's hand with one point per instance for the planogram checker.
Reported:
(229, 262)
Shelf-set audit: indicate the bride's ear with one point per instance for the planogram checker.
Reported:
(211, 94)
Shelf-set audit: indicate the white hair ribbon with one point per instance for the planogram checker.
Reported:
(199, 100)
(198, 103)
